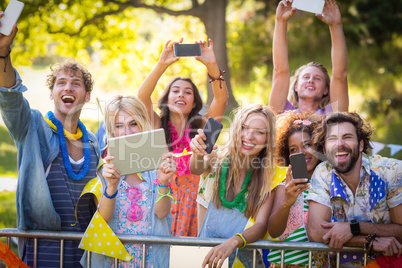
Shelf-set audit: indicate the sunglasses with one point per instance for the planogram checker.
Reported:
(134, 212)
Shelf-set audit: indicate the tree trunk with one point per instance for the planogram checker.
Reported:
(214, 19)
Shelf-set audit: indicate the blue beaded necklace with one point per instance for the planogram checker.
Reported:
(64, 151)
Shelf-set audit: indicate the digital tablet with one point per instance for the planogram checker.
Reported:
(138, 152)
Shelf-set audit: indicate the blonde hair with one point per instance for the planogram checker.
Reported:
(261, 179)
(131, 105)
(294, 97)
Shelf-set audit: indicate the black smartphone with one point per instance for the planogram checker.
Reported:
(187, 50)
(212, 130)
(299, 166)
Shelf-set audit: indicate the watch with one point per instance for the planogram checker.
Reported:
(354, 227)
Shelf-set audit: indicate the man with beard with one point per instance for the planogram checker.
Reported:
(366, 189)
(57, 156)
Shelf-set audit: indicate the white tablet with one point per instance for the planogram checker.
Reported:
(138, 152)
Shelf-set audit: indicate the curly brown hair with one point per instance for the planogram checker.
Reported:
(286, 127)
(363, 128)
(72, 67)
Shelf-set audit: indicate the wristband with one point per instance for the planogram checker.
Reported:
(242, 238)
(169, 194)
(110, 196)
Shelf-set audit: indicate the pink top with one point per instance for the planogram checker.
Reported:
(179, 143)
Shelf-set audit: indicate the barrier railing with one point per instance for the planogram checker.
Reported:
(181, 241)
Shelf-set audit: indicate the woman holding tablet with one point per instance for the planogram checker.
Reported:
(135, 203)
(243, 174)
(180, 105)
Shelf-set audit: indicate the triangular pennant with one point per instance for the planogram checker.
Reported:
(394, 148)
(238, 264)
(377, 146)
(94, 187)
(101, 239)
(279, 175)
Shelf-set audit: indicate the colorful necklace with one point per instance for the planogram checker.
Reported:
(64, 151)
(240, 200)
(68, 135)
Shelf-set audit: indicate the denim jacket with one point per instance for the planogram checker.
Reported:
(159, 254)
(38, 146)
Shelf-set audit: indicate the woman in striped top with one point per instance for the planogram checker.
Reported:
(294, 132)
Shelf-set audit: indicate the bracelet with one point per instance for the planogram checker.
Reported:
(369, 245)
(169, 194)
(5, 59)
(158, 183)
(220, 78)
(242, 238)
(110, 196)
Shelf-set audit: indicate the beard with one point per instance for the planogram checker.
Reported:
(346, 166)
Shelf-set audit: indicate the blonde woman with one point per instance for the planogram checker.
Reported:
(131, 204)
(242, 184)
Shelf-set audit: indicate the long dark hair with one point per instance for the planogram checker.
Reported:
(194, 118)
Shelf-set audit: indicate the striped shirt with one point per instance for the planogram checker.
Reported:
(65, 193)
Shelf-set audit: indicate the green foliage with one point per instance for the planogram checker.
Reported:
(8, 154)
(8, 215)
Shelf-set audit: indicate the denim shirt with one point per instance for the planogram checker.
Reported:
(159, 254)
(38, 145)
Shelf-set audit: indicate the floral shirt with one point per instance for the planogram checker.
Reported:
(380, 176)
(379, 190)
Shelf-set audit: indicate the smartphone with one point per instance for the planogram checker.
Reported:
(187, 50)
(313, 6)
(11, 15)
(299, 166)
(212, 130)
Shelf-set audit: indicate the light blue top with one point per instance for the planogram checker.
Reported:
(224, 223)
(38, 145)
(159, 254)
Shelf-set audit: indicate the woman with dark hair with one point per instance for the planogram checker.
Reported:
(289, 213)
(180, 105)
(311, 88)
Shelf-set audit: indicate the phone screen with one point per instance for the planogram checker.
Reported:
(299, 166)
(187, 50)
(212, 130)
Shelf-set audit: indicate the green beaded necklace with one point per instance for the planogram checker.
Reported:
(240, 200)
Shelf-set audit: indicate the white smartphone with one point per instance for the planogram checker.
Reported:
(11, 15)
(313, 6)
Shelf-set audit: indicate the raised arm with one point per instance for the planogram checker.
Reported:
(7, 74)
(339, 81)
(281, 73)
(218, 104)
(200, 161)
(14, 108)
(166, 58)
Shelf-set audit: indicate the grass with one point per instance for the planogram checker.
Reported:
(8, 215)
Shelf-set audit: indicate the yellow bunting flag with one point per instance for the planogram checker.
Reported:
(184, 153)
(100, 238)
(279, 175)
(94, 187)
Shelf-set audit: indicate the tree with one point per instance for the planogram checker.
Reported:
(212, 13)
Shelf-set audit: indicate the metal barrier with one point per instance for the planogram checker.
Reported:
(182, 241)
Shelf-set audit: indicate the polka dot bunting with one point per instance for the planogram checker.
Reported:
(99, 238)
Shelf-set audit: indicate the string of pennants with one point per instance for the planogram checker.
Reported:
(378, 146)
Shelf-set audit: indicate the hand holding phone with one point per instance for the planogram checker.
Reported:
(187, 50)
(212, 130)
(299, 166)
(11, 15)
(313, 6)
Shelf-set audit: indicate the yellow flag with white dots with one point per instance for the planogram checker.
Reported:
(100, 238)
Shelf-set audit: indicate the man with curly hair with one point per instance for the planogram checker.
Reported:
(57, 156)
(354, 199)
